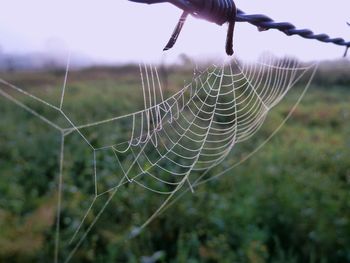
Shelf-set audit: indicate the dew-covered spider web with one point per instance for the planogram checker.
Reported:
(168, 147)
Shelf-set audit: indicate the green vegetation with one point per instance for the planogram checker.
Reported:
(289, 203)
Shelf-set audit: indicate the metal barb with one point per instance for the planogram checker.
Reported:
(347, 48)
(176, 32)
(346, 52)
(216, 11)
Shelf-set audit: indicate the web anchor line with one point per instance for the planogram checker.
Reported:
(225, 11)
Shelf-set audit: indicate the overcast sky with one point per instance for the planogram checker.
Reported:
(121, 31)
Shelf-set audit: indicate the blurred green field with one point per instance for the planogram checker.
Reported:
(289, 203)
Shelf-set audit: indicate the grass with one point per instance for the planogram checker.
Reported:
(290, 202)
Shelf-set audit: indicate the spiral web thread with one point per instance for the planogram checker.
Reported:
(188, 133)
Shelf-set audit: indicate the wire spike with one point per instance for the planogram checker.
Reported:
(347, 48)
(177, 31)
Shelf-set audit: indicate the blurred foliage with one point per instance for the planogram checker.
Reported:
(289, 203)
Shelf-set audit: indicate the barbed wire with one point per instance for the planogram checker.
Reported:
(263, 22)
(220, 12)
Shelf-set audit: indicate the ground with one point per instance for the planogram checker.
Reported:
(290, 202)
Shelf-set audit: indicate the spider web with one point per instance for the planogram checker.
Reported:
(173, 143)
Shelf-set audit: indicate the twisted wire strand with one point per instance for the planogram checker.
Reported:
(220, 12)
(264, 22)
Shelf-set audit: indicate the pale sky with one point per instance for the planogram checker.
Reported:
(121, 31)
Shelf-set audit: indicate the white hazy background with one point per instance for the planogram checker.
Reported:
(119, 31)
